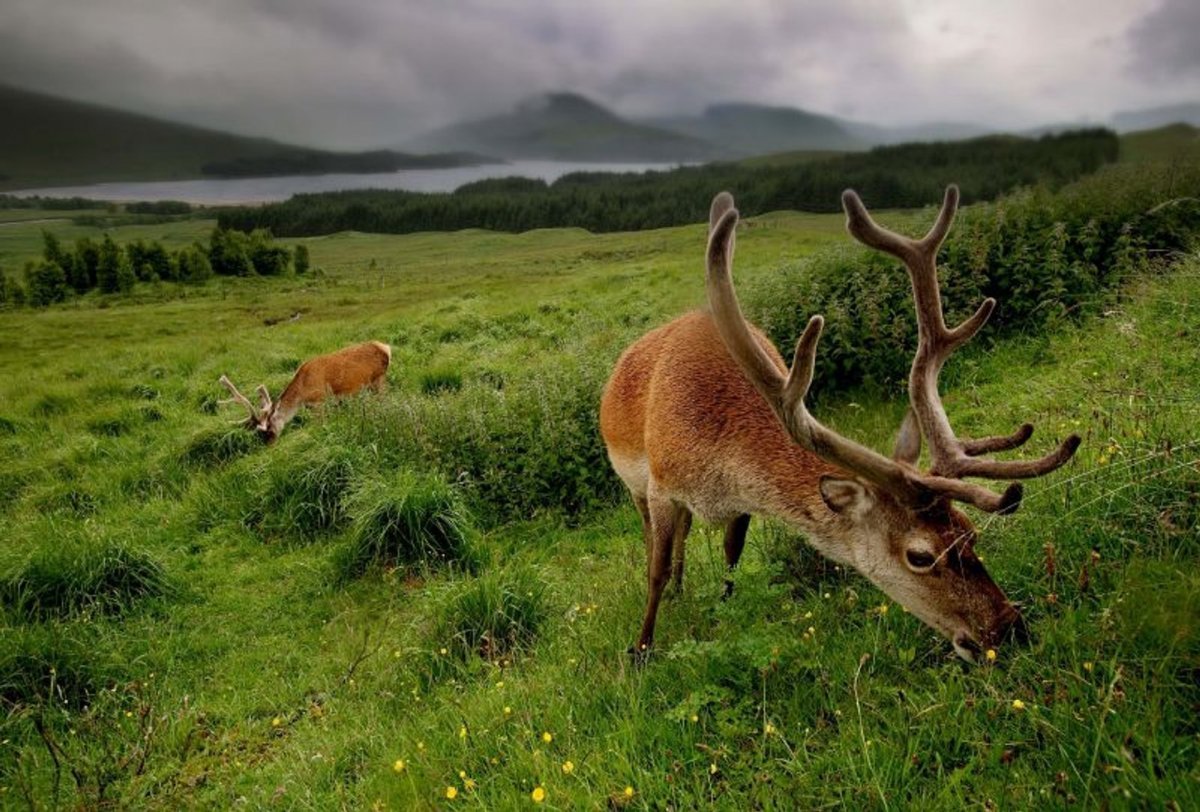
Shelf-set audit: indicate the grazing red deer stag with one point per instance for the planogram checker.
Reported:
(339, 373)
(703, 417)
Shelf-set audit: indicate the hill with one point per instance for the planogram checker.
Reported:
(1174, 143)
(49, 141)
(754, 129)
(565, 126)
(1152, 117)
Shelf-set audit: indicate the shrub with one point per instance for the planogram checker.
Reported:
(70, 578)
(300, 259)
(214, 447)
(303, 496)
(1044, 257)
(530, 447)
(411, 522)
(493, 615)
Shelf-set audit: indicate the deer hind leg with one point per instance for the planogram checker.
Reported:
(644, 510)
(664, 517)
(735, 542)
(683, 526)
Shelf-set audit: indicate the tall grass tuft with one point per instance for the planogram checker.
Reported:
(107, 578)
(215, 447)
(50, 662)
(441, 379)
(492, 616)
(412, 522)
(305, 494)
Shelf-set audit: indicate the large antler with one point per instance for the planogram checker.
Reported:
(786, 393)
(238, 397)
(950, 456)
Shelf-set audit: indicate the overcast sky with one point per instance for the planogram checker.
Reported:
(356, 73)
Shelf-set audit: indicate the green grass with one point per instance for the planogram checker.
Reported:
(260, 675)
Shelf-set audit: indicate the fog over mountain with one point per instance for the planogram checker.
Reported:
(363, 73)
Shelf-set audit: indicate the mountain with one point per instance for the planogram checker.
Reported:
(755, 129)
(1156, 117)
(567, 127)
(51, 141)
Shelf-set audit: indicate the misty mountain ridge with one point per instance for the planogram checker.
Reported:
(565, 126)
(568, 126)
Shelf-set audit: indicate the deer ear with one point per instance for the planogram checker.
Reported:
(846, 496)
(908, 441)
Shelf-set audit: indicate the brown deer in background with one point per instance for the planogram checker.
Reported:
(702, 416)
(339, 373)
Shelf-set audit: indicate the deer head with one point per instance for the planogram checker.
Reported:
(894, 522)
(262, 418)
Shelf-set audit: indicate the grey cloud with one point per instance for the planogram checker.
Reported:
(359, 73)
(1166, 42)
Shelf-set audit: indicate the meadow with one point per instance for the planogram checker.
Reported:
(423, 599)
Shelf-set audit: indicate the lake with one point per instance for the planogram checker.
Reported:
(228, 191)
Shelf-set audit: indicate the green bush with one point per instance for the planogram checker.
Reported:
(531, 447)
(491, 616)
(84, 576)
(1044, 256)
(410, 522)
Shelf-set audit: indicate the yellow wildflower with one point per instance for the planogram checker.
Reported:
(628, 792)
(507, 710)
(769, 728)
(1018, 705)
(442, 650)
(568, 767)
(712, 768)
(276, 722)
(538, 795)
(1087, 666)
(469, 783)
(547, 737)
(400, 766)
(991, 655)
(451, 793)
(462, 732)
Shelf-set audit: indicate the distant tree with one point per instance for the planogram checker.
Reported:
(268, 258)
(229, 253)
(193, 265)
(114, 274)
(85, 266)
(300, 259)
(160, 261)
(46, 282)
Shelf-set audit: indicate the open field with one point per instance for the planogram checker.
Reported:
(234, 658)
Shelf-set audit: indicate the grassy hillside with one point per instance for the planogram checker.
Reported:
(1175, 143)
(227, 658)
(48, 141)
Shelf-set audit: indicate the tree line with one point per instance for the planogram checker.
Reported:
(109, 267)
(900, 176)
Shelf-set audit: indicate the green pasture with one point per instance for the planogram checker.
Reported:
(423, 599)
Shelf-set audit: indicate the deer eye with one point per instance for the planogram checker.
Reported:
(920, 559)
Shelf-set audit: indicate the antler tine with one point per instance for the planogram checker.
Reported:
(238, 397)
(264, 398)
(785, 394)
